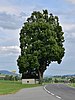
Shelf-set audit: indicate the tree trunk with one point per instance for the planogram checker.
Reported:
(40, 77)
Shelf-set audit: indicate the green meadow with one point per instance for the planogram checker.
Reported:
(72, 85)
(9, 87)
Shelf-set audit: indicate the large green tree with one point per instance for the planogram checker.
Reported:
(41, 42)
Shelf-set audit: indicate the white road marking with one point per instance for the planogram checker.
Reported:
(58, 97)
(51, 93)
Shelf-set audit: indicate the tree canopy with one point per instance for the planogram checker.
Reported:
(41, 42)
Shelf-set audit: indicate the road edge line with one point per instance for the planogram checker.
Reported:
(51, 93)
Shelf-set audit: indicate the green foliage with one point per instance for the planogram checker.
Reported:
(56, 81)
(71, 85)
(72, 80)
(12, 78)
(48, 80)
(7, 77)
(41, 42)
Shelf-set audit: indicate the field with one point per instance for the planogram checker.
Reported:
(72, 85)
(9, 87)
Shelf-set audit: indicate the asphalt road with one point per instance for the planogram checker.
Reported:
(61, 91)
(37, 93)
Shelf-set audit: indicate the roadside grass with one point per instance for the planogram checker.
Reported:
(72, 85)
(9, 87)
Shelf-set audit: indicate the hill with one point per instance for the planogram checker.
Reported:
(6, 72)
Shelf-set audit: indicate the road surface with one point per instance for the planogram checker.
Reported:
(37, 93)
(62, 91)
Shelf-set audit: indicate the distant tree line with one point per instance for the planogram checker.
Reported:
(60, 79)
(11, 78)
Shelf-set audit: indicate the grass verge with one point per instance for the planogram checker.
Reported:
(9, 87)
(72, 85)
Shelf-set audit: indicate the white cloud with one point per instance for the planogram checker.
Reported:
(13, 16)
(72, 1)
(11, 10)
(68, 26)
(7, 6)
(8, 21)
(69, 29)
(9, 50)
(9, 37)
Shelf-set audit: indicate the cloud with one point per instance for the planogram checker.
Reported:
(72, 1)
(69, 29)
(9, 7)
(69, 26)
(9, 37)
(66, 19)
(22, 14)
(11, 10)
(9, 50)
(8, 21)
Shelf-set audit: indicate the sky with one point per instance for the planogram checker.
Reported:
(13, 13)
